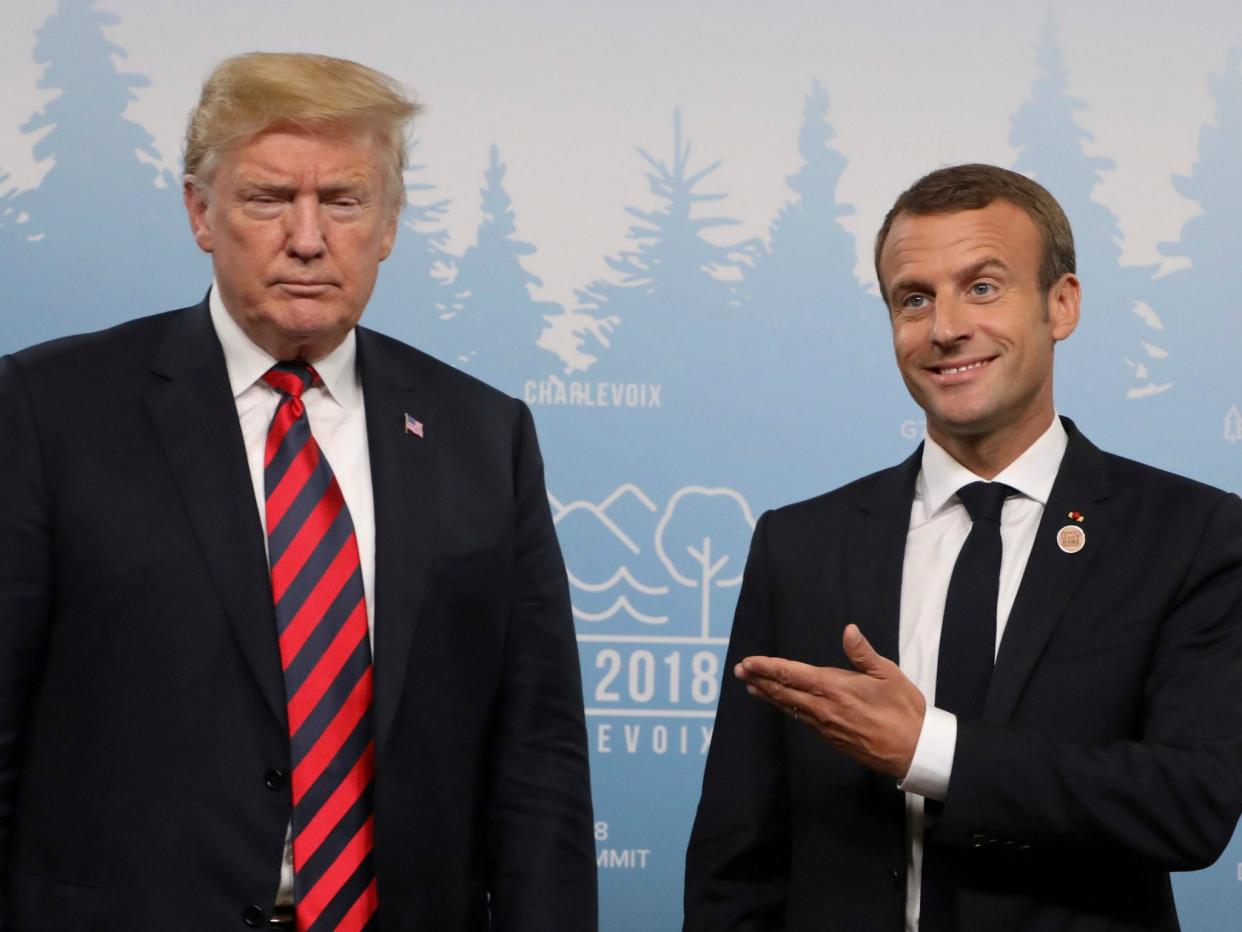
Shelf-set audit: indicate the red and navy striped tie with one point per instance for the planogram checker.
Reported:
(325, 651)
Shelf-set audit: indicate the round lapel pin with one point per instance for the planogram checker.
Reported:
(1071, 538)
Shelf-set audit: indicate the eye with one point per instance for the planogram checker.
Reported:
(915, 302)
(264, 206)
(343, 207)
(982, 289)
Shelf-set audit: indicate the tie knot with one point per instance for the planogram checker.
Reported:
(985, 499)
(291, 378)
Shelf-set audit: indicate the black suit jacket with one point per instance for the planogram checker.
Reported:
(1109, 751)
(142, 720)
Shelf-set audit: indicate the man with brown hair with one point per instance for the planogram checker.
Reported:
(1001, 678)
(211, 521)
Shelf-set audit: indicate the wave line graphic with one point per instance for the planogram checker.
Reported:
(623, 574)
(622, 603)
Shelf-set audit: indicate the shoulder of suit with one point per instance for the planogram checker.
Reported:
(98, 357)
(451, 381)
(831, 505)
(1141, 483)
(140, 330)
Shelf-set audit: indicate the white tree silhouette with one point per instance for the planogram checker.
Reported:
(1233, 425)
(707, 530)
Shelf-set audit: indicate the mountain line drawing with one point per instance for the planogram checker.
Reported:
(701, 530)
(600, 510)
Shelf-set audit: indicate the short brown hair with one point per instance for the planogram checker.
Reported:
(248, 94)
(975, 186)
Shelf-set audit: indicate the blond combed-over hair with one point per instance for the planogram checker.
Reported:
(248, 94)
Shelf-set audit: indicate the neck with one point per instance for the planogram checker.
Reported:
(987, 454)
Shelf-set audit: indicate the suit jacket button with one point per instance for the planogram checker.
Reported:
(254, 916)
(978, 841)
(895, 876)
(274, 779)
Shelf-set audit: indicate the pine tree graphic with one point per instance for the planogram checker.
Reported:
(672, 261)
(13, 243)
(105, 219)
(495, 319)
(415, 281)
(1233, 425)
(672, 284)
(1205, 327)
(1118, 351)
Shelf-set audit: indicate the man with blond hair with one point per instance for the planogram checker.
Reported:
(285, 635)
(994, 687)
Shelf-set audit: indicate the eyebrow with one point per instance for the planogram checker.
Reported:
(905, 285)
(902, 285)
(354, 188)
(267, 187)
(978, 268)
(334, 188)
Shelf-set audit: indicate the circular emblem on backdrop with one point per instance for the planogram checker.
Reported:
(1071, 538)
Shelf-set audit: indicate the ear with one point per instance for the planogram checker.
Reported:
(196, 209)
(389, 237)
(1064, 301)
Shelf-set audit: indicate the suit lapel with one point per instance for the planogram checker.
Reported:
(1051, 576)
(403, 477)
(875, 552)
(195, 419)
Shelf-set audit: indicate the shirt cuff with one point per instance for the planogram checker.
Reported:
(932, 764)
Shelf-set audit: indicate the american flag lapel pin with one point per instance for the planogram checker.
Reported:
(413, 425)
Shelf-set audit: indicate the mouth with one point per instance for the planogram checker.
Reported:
(959, 371)
(304, 289)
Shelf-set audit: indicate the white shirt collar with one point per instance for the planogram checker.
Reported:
(246, 361)
(1032, 473)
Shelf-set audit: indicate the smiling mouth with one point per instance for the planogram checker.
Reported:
(957, 370)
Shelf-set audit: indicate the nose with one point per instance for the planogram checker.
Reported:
(304, 234)
(952, 322)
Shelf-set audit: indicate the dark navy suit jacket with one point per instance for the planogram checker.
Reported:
(142, 710)
(1109, 751)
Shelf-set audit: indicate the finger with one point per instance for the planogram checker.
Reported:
(787, 672)
(862, 655)
(784, 698)
(795, 705)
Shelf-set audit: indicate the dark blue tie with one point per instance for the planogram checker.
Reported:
(964, 668)
(968, 632)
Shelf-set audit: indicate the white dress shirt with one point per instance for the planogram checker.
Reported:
(338, 423)
(939, 525)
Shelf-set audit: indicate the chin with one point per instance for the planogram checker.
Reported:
(309, 318)
(965, 423)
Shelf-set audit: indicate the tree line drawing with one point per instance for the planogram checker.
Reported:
(707, 314)
(621, 550)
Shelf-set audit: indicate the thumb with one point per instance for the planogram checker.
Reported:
(862, 655)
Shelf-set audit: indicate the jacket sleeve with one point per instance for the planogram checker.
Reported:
(540, 820)
(1170, 796)
(737, 862)
(25, 583)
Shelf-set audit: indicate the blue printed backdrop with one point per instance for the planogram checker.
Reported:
(652, 221)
